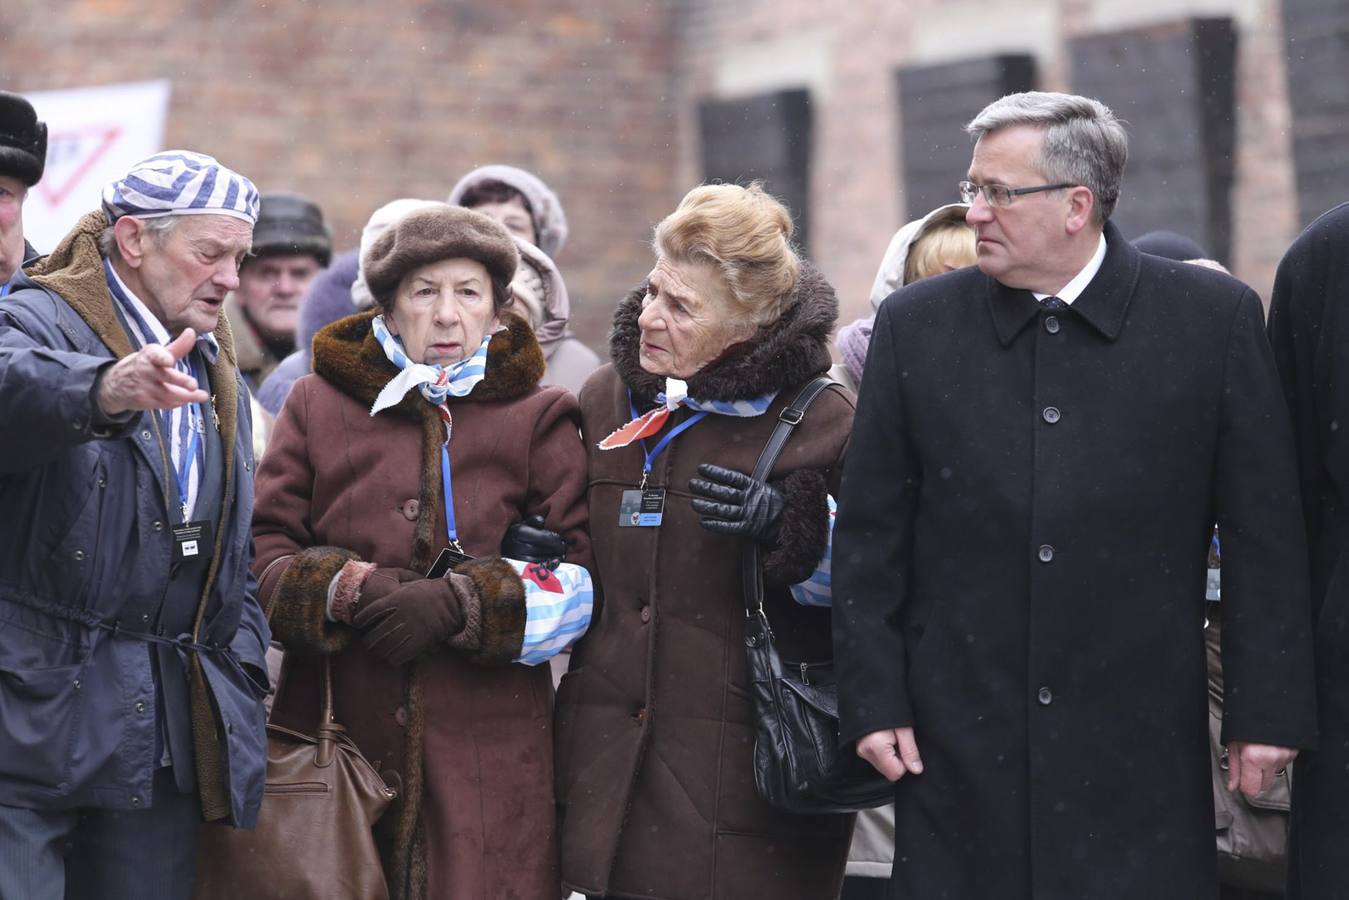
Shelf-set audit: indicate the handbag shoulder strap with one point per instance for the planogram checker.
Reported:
(751, 575)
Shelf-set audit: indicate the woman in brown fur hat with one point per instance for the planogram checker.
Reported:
(423, 439)
(655, 739)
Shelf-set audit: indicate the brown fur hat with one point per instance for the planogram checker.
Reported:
(435, 232)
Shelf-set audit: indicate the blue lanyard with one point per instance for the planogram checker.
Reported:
(449, 496)
(194, 448)
(665, 441)
(4, 289)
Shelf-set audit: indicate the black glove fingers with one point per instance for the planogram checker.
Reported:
(726, 511)
(716, 491)
(722, 526)
(731, 477)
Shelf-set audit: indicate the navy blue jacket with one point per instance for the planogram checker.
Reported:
(85, 552)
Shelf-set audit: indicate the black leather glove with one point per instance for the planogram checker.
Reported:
(737, 504)
(532, 541)
(408, 620)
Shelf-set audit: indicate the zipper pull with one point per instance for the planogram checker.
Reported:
(805, 675)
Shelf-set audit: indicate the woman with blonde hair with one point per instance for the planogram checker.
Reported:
(654, 727)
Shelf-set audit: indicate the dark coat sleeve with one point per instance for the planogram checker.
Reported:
(50, 390)
(1267, 646)
(294, 574)
(1297, 331)
(872, 546)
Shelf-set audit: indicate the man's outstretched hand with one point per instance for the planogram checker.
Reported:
(147, 379)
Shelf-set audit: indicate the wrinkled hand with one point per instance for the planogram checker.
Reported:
(1252, 767)
(532, 541)
(892, 752)
(736, 503)
(410, 619)
(147, 379)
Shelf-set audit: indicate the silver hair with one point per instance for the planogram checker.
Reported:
(1084, 142)
(158, 226)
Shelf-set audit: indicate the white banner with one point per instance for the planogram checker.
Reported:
(94, 135)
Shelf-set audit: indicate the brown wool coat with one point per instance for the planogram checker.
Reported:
(467, 735)
(654, 736)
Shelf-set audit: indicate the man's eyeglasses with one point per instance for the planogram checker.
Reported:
(1000, 195)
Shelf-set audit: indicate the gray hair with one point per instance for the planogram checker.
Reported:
(158, 226)
(1084, 142)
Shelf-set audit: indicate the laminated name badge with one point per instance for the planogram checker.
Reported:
(191, 541)
(641, 509)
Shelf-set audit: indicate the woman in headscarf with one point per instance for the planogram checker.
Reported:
(423, 441)
(532, 213)
(655, 738)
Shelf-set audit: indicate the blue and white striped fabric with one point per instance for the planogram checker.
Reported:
(676, 394)
(559, 603)
(180, 182)
(437, 383)
(818, 589)
(178, 423)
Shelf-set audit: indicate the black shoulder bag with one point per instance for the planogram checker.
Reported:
(797, 764)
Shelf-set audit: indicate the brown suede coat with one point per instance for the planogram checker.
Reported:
(654, 735)
(467, 735)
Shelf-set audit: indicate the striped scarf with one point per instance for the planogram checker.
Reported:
(437, 383)
(674, 396)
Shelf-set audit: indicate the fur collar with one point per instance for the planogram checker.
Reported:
(347, 355)
(783, 354)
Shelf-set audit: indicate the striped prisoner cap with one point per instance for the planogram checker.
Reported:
(180, 182)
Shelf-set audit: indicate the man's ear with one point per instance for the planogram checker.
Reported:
(1081, 204)
(131, 235)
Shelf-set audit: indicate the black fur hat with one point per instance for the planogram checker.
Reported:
(23, 140)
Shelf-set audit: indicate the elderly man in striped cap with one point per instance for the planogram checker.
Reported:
(131, 641)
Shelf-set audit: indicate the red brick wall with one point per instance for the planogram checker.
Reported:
(356, 103)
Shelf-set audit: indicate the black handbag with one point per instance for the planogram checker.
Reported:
(797, 763)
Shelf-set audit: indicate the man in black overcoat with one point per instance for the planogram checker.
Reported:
(1309, 331)
(1042, 447)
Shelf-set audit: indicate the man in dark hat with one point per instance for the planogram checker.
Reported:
(23, 154)
(291, 245)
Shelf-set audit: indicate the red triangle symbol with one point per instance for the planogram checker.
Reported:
(70, 155)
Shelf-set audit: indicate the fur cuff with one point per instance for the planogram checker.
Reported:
(804, 533)
(501, 609)
(300, 605)
(469, 640)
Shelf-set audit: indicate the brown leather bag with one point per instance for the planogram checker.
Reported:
(314, 836)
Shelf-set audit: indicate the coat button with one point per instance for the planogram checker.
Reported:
(135, 802)
(145, 435)
(410, 510)
(140, 706)
(79, 555)
(646, 614)
(1046, 553)
(102, 481)
(1045, 696)
(1051, 414)
(400, 715)
(640, 715)
(1052, 324)
(158, 525)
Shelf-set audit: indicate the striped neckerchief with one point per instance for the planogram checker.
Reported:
(176, 424)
